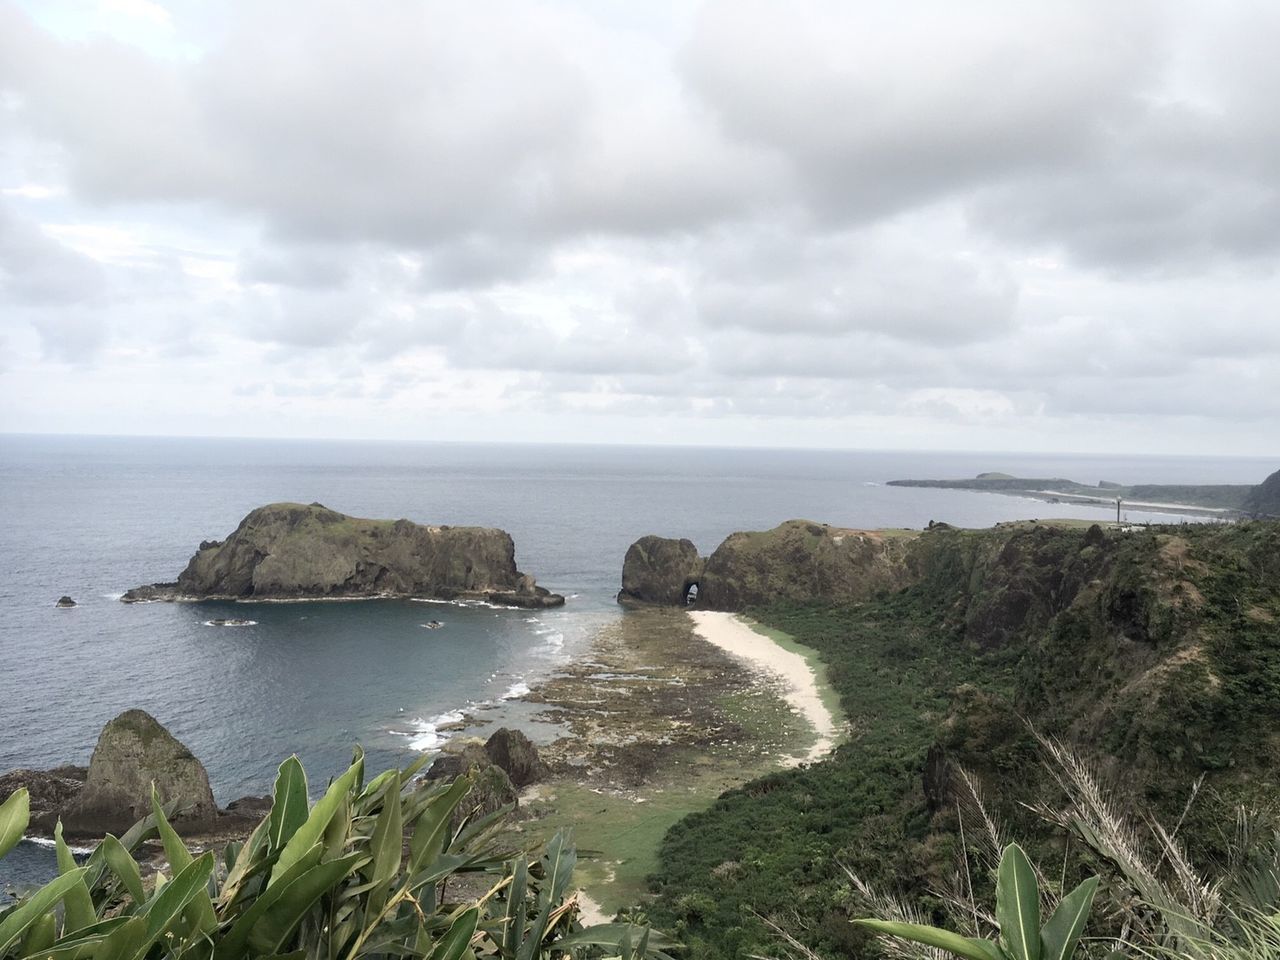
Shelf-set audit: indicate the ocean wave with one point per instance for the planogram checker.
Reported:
(426, 735)
(554, 639)
(231, 623)
(465, 603)
(112, 596)
(52, 845)
(516, 690)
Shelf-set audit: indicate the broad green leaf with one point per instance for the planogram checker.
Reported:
(170, 902)
(40, 935)
(387, 843)
(15, 814)
(968, 947)
(85, 942)
(132, 839)
(248, 862)
(558, 863)
(453, 945)
(1018, 904)
(124, 867)
(123, 941)
(413, 769)
(77, 905)
(233, 944)
(1060, 935)
(16, 921)
(289, 803)
(431, 828)
(200, 914)
(310, 832)
(531, 948)
(296, 898)
(514, 928)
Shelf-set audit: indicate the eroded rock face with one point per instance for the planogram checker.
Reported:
(797, 560)
(288, 551)
(659, 570)
(515, 753)
(133, 751)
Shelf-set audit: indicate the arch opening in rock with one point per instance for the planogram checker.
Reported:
(691, 592)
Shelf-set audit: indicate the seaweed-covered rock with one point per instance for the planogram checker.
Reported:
(515, 753)
(295, 551)
(659, 570)
(134, 750)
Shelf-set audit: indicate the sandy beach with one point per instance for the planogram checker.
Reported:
(733, 635)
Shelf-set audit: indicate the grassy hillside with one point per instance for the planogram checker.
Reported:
(1157, 652)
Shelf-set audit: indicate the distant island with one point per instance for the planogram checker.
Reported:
(293, 551)
(1220, 499)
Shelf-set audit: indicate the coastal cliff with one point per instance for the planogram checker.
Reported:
(797, 560)
(292, 551)
(1152, 653)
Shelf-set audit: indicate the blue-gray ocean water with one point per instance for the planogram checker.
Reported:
(94, 516)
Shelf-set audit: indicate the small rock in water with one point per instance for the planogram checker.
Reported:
(65, 601)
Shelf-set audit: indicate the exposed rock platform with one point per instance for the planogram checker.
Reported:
(292, 551)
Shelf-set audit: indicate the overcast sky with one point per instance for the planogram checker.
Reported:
(1020, 226)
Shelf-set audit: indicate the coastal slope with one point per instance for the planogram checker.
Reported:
(293, 551)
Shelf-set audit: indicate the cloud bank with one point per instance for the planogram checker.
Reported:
(1003, 225)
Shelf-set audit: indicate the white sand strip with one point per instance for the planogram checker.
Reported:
(736, 637)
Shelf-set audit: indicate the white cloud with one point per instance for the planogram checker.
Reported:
(921, 223)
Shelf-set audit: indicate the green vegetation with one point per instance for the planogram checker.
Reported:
(1019, 933)
(364, 872)
(1156, 652)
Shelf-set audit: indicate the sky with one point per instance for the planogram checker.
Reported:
(1000, 226)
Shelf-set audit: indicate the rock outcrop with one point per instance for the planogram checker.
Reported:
(797, 560)
(65, 601)
(515, 753)
(291, 551)
(50, 791)
(659, 570)
(134, 750)
(492, 788)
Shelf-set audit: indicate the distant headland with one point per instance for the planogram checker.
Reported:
(293, 551)
(1211, 499)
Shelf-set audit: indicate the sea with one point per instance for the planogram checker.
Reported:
(91, 517)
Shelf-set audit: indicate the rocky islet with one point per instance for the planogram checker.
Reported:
(292, 551)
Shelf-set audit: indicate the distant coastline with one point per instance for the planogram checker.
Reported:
(1219, 501)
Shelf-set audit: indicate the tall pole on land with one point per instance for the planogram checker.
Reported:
(1117, 509)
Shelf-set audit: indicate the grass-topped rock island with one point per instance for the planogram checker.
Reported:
(294, 551)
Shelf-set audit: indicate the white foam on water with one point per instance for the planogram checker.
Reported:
(242, 623)
(516, 690)
(112, 596)
(52, 845)
(426, 735)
